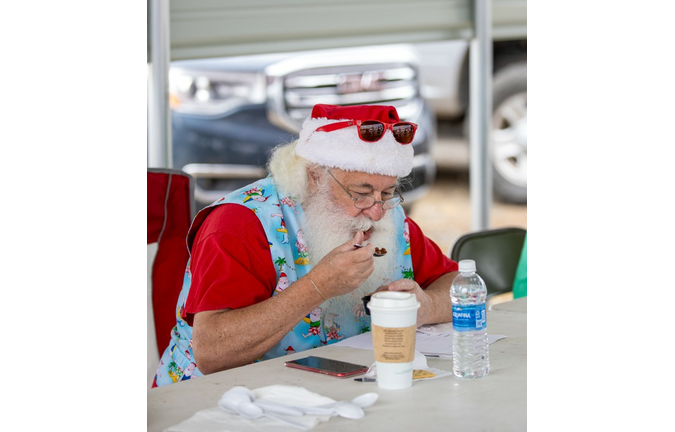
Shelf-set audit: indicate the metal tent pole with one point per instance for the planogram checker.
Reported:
(480, 175)
(159, 119)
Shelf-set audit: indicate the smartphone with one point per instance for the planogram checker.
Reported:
(327, 366)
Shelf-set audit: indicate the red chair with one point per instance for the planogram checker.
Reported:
(170, 212)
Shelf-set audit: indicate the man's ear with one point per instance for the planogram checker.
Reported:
(314, 176)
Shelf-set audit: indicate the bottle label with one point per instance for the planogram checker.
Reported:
(468, 317)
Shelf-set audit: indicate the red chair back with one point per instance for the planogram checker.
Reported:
(170, 212)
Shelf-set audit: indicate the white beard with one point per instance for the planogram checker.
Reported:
(326, 228)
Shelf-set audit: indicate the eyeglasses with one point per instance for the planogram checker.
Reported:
(363, 202)
(373, 130)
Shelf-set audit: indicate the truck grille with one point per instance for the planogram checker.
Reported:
(294, 94)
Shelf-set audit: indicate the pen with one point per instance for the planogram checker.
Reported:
(364, 379)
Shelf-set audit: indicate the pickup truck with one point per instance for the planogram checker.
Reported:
(444, 73)
(228, 113)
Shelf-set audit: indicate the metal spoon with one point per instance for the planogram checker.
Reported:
(375, 254)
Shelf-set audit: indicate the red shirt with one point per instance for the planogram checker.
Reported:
(232, 267)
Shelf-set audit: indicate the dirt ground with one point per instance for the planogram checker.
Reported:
(444, 214)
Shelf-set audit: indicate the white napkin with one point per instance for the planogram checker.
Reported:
(217, 420)
(419, 363)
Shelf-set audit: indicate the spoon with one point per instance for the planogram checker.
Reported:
(351, 410)
(236, 395)
(375, 254)
(233, 397)
(241, 400)
(253, 411)
(342, 409)
(278, 408)
(364, 401)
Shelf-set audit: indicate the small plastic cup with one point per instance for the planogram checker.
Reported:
(394, 324)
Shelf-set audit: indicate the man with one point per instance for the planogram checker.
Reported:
(280, 266)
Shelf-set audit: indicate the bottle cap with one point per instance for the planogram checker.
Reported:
(467, 266)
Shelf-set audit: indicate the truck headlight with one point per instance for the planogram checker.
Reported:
(213, 93)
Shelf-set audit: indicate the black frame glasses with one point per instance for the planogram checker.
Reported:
(362, 202)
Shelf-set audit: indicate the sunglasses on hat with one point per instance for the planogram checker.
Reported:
(373, 130)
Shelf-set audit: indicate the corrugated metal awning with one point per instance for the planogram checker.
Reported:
(214, 28)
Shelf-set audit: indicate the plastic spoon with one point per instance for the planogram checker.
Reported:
(236, 395)
(365, 400)
(278, 408)
(242, 393)
(352, 410)
(232, 398)
(228, 406)
(253, 411)
(342, 409)
(349, 410)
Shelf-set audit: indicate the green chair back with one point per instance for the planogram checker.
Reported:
(496, 253)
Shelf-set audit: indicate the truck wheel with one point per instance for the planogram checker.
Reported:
(508, 149)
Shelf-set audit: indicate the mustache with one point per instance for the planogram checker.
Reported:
(363, 223)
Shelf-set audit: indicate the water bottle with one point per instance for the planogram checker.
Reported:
(470, 356)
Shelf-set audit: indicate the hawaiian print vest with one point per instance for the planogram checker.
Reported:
(279, 215)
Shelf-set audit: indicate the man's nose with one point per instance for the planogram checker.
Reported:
(376, 212)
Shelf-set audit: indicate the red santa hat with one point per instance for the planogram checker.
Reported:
(343, 149)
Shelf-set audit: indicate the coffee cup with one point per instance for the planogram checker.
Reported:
(394, 325)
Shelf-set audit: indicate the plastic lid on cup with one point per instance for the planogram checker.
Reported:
(393, 300)
(467, 266)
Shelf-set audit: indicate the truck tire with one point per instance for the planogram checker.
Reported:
(508, 147)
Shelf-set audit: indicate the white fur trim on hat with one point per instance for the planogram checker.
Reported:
(344, 149)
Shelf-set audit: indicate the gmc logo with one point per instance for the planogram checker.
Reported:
(359, 82)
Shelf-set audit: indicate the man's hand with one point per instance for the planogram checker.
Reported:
(345, 268)
(435, 305)
(424, 313)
